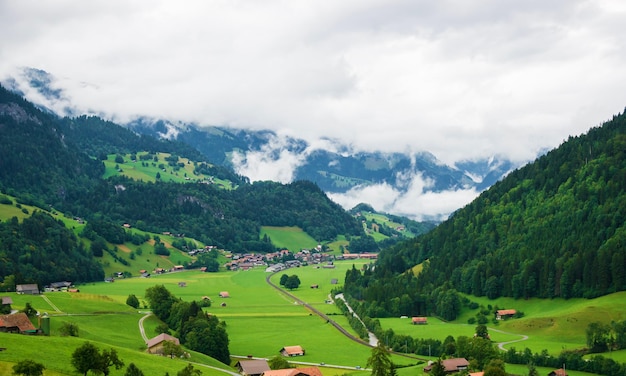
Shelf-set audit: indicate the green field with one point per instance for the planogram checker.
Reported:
(261, 320)
(291, 238)
(147, 170)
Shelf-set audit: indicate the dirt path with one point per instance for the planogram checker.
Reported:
(502, 344)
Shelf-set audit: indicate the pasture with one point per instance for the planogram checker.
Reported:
(261, 320)
(291, 238)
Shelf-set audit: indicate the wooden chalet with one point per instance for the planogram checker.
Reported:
(418, 320)
(155, 345)
(27, 289)
(292, 351)
(558, 372)
(17, 323)
(503, 314)
(252, 367)
(451, 365)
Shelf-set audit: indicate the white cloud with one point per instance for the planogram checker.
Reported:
(462, 80)
(417, 202)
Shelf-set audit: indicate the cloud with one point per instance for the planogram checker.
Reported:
(417, 202)
(461, 80)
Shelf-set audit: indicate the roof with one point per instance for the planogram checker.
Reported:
(17, 320)
(451, 365)
(7, 300)
(481, 373)
(419, 319)
(26, 287)
(558, 372)
(306, 371)
(160, 338)
(503, 312)
(224, 294)
(292, 349)
(253, 366)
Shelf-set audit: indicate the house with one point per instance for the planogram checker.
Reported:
(17, 323)
(6, 300)
(252, 367)
(558, 372)
(304, 371)
(27, 289)
(419, 320)
(292, 351)
(450, 365)
(224, 294)
(155, 345)
(59, 286)
(503, 314)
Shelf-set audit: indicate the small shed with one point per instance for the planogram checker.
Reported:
(292, 351)
(418, 320)
(450, 365)
(503, 314)
(182, 284)
(224, 294)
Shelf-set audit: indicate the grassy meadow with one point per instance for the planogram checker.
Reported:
(261, 320)
(291, 238)
(148, 170)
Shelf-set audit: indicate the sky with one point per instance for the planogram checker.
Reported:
(460, 79)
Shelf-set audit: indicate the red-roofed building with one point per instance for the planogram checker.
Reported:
(17, 323)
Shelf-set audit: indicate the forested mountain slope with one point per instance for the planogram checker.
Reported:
(553, 228)
(54, 164)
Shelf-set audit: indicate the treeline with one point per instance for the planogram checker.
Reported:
(554, 228)
(42, 250)
(197, 330)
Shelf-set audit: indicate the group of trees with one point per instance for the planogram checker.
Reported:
(606, 337)
(290, 281)
(42, 250)
(554, 228)
(196, 330)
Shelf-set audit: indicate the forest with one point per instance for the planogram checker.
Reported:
(55, 164)
(553, 228)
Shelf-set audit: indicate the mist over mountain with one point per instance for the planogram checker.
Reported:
(413, 184)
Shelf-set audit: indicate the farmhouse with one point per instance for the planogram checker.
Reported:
(155, 345)
(503, 314)
(27, 289)
(451, 365)
(558, 372)
(292, 351)
(304, 371)
(59, 286)
(419, 320)
(252, 367)
(17, 323)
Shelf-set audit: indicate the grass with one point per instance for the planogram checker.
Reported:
(148, 170)
(260, 321)
(291, 238)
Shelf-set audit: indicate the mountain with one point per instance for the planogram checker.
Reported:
(336, 168)
(52, 162)
(553, 228)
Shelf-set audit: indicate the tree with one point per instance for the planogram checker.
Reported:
(278, 362)
(481, 331)
(598, 335)
(132, 301)
(109, 359)
(132, 370)
(293, 282)
(532, 371)
(438, 369)
(172, 350)
(69, 329)
(495, 368)
(283, 279)
(28, 368)
(85, 358)
(189, 371)
(380, 361)
(29, 310)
